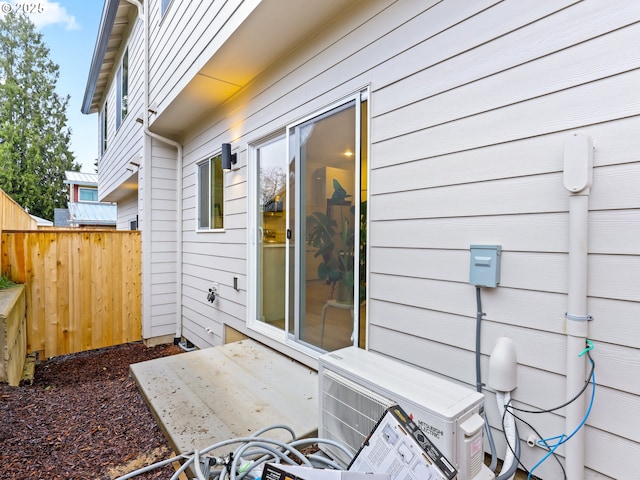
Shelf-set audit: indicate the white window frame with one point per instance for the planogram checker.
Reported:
(277, 334)
(199, 227)
(104, 129)
(122, 88)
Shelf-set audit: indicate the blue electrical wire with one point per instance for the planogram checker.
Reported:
(561, 439)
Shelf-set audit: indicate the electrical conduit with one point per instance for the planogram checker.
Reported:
(578, 177)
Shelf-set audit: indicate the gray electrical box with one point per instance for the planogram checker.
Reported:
(485, 265)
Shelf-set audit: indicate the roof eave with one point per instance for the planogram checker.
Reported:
(106, 25)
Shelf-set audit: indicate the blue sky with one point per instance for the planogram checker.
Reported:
(70, 28)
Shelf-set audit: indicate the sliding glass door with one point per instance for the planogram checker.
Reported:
(310, 229)
(270, 232)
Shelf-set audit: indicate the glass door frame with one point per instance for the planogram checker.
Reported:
(283, 336)
(253, 233)
(297, 224)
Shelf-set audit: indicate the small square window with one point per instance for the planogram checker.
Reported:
(211, 194)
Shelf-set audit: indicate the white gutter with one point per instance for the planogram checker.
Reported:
(578, 177)
(143, 15)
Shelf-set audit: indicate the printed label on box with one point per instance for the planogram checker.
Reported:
(398, 447)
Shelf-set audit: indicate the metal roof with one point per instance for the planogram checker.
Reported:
(93, 214)
(42, 221)
(81, 178)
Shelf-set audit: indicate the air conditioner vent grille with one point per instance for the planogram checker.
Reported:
(347, 411)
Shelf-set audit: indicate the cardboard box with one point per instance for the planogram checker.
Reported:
(292, 472)
(398, 447)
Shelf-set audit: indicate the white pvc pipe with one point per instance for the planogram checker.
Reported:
(577, 331)
(577, 179)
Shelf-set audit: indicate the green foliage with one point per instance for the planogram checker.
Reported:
(322, 231)
(335, 244)
(34, 137)
(5, 282)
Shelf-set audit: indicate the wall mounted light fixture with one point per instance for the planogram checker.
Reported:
(228, 159)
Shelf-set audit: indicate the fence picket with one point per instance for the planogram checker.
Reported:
(83, 287)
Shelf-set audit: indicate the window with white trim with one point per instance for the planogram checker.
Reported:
(87, 194)
(103, 129)
(122, 89)
(211, 194)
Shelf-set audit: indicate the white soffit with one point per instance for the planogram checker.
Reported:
(111, 48)
(270, 31)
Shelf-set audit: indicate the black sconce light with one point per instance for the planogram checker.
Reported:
(228, 159)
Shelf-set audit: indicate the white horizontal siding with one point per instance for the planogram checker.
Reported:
(127, 212)
(611, 232)
(458, 56)
(162, 275)
(125, 144)
(615, 142)
(606, 100)
(612, 277)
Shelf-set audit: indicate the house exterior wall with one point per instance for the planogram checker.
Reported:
(471, 103)
(161, 286)
(127, 211)
(124, 143)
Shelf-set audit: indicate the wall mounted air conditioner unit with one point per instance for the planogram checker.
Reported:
(356, 387)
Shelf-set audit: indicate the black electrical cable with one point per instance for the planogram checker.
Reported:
(564, 474)
(586, 384)
(510, 408)
(504, 413)
(547, 446)
(479, 385)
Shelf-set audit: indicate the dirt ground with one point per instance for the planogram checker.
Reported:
(83, 418)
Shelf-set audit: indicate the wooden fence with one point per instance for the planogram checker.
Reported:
(83, 287)
(13, 216)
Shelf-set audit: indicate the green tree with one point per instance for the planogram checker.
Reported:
(34, 137)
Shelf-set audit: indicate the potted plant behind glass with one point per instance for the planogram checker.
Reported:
(333, 240)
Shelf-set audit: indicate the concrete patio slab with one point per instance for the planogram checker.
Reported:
(202, 397)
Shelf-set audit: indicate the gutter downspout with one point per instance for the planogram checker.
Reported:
(578, 178)
(143, 15)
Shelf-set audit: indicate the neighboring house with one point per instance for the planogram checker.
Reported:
(42, 222)
(422, 127)
(84, 209)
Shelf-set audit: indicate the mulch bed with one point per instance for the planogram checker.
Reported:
(83, 418)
